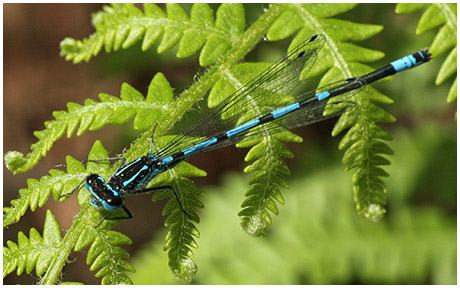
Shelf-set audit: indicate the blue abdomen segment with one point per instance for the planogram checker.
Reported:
(410, 61)
(404, 63)
(200, 146)
(322, 95)
(285, 110)
(242, 128)
(167, 160)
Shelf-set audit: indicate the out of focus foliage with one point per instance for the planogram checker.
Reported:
(320, 240)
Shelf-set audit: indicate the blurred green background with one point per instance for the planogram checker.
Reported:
(318, 237)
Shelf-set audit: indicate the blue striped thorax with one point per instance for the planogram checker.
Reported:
(127, 179)
(135, 174)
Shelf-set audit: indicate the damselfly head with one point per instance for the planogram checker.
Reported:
(113, 203)
(94, 182)
(101, 195)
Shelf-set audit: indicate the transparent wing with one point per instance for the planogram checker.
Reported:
(269, 89)
(314, 113)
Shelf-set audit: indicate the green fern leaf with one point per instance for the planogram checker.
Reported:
(104, 253)
(364, 154)
(452, 92)
(95, 115)
(268, 177)
(38, 192)
(338, 60)
(445, 15)
(35, 252)
(182, 232)
(122, 25)
(409, 7)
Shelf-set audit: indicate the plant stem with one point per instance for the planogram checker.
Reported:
(247, 41)
(69, 241)
(184, 102)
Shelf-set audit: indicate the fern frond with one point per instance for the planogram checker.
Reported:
(365, 149)
(444, 15)
(48, 253)
(35, 252)
(181, 230)
(95, 115)
(338, 59)
(38, 191)
(269, 172)
(122, 25)
(104, 252)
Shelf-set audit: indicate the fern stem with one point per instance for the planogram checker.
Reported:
(246, 42)
(187, 99)
(70, 239)
(183, 103)
(249, 39)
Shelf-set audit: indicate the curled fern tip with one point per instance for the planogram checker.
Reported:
(14, 161)
(187, 270)
(254, 226)
(374, 212)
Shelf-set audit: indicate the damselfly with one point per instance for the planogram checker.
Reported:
(263, 105)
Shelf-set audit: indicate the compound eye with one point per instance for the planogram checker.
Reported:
(115, 201)
(94, 182)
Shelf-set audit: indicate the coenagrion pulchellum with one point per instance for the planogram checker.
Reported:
(263, 105)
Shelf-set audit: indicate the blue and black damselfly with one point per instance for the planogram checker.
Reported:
(263, 105)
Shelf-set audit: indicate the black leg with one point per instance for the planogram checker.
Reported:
(100, 160)
(122, 163)
(74, 189)
(130, 215)
(151, 139)
(160, 188)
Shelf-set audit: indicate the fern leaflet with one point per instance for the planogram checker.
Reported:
(222, 40)
(445, 15)
(94, 115)
(122, 25)
(339, 60)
